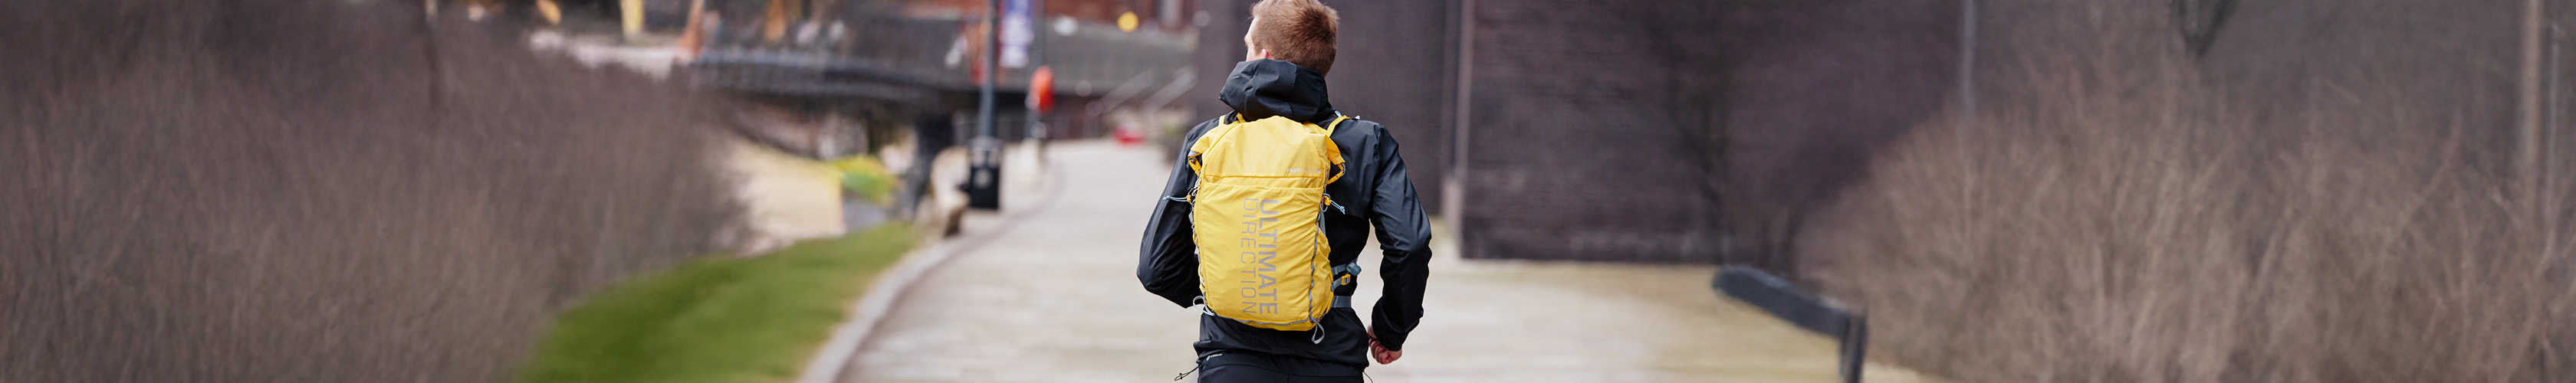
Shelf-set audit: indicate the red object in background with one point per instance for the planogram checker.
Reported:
(1042, 89)
(1128, 135)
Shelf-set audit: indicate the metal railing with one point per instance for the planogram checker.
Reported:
(1823, 316)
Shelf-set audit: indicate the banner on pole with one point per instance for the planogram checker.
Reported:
(1018, 30)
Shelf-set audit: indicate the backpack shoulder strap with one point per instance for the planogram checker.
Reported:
(1338, 118)
(1207, 140)
(1336, 150)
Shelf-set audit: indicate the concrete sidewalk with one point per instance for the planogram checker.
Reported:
(1051, 296)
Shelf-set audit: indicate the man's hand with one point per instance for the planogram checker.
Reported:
(1379, 351)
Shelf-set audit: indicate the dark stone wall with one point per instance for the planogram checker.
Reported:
(1392, 68)
(1691, 131)
(1585, 136)
(1631, 130)
(1220, 46)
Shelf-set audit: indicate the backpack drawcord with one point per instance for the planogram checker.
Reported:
(1201, 363)
(1319, 333)
(1201, 303)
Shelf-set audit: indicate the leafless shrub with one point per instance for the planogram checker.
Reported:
(317, 191)
(2113, 215)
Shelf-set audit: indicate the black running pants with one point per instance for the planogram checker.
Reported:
(1244, 367)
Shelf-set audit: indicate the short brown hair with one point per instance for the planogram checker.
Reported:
(1297, 31)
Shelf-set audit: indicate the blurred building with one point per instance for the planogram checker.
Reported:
(1630, 130)
(903, 58)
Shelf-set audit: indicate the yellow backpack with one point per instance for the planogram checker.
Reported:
(1257, 217)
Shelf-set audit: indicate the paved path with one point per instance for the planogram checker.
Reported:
(1051, 296)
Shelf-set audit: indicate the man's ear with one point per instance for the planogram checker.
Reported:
(1265, 53)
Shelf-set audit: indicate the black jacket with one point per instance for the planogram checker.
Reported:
(1374, 191)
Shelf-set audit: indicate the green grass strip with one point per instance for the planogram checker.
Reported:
(719, 319)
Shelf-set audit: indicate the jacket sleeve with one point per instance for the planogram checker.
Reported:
(1169, 263)
(1404, 235)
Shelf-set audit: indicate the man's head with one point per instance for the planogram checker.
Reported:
(1297, 31)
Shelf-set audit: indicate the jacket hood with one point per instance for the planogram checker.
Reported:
(1262, 88)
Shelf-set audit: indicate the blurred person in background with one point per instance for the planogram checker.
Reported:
(1289, 49)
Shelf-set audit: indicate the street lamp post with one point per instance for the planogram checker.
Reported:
(984, 176)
